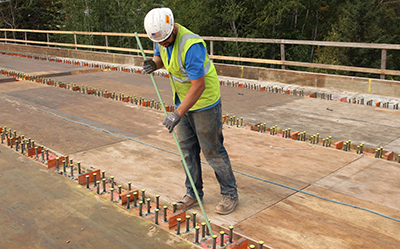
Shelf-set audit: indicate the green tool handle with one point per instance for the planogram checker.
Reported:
(177, 143)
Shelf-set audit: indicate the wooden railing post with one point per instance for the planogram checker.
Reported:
(26, 38)
(75, 41)
(383, 62)
(5, 36)
(48, 39)
(283, 55)
(106, 42)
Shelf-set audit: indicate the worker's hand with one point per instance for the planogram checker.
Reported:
(172, 120)
(149, 66)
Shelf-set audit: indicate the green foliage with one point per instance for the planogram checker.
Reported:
(30, 14)
(361, 21)
(367, 21)
(118, 16)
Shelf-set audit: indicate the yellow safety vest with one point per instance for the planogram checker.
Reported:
(179, 79)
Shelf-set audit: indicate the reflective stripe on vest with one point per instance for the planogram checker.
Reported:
(180, 63)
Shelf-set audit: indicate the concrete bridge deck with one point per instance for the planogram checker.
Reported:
(129, 142)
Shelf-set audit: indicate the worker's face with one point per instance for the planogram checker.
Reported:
(168, 42)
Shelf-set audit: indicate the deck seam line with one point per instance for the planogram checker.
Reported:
(337, 170)
(275, 203)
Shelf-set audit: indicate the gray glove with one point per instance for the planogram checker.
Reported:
(149, 66)
(172, 120)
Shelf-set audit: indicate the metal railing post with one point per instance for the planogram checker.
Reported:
(26, 39)
(5, 36)
(48, 39)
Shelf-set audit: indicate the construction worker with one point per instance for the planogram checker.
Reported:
(197, 98)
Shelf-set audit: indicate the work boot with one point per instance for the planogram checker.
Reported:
(226, 205)
(186, 203)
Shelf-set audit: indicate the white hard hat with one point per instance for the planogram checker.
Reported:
(159, 23)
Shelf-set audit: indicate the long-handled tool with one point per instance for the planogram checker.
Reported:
(177, 143)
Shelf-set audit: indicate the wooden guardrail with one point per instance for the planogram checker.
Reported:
(282, 62)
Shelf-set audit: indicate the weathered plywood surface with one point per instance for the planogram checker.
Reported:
(49, 128)
(299, 161)
(369, 179)
(151, 163)
(41, 209)
(130, 143)
(303, 221)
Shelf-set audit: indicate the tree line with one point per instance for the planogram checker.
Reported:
(366, 21)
